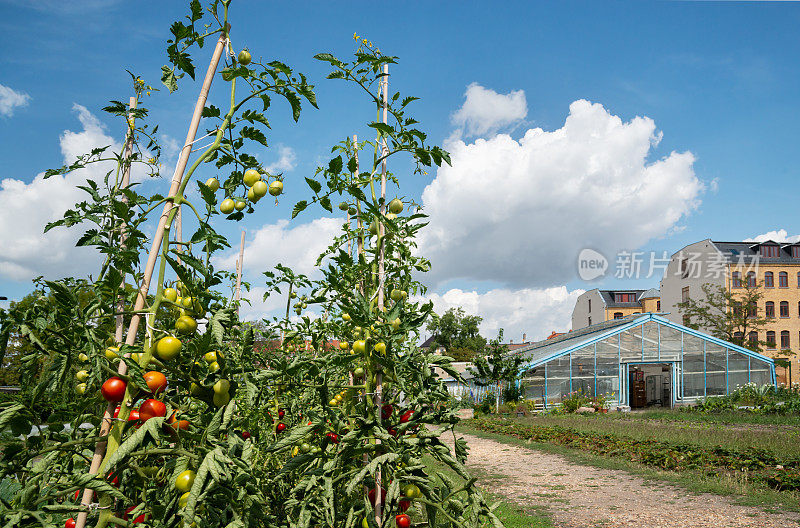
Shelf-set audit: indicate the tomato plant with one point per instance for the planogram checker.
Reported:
(213, 428)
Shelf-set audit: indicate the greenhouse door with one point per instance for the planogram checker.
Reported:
(650, 385)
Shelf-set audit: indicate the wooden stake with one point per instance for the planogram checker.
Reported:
(126, 178)
(239, 271)
(381, 233)
(133, 327)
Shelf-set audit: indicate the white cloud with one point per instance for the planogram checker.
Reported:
(485, 110)
(296, 246)
(11, 99)
(287, 160)
(25, 208)
(518, 212)
(535, 312)
(781, 235)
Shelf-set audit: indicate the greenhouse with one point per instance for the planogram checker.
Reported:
(639, 361)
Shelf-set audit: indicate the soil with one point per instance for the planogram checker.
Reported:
(580, 496)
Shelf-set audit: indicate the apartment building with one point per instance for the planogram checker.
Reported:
(772, 266)
(596, 306)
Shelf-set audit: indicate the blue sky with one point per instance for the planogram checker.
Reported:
(716, 80)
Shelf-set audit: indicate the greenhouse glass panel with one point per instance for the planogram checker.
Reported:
(670, 344)
(650, 330)
(583, 370)
(631, 344)
(608, 368)
(533, 384)
(759, 372)
(715, 369)
(693, 367)
(737, 370)
(557, 379)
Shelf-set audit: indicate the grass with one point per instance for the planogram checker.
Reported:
(740, 491)
(724, 417)
(782, 441)
(512, 515)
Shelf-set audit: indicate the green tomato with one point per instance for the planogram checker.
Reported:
(244, 57)
(240, 205)
(276, 188)
(251, 176)
(396, 206)
(260, 189)
(184, 480)
(226, 207)
(213, 184)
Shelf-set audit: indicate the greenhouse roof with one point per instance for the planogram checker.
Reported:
(543, 351)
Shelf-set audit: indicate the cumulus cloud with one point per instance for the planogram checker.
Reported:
(485, 110)
(287, 160)
(25, 208)
(518, 212)
(296, 246)
(11, 99)
(781, 235)
(535, 312)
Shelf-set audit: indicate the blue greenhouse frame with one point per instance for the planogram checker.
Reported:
(542, 354)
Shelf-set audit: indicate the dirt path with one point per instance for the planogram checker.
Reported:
(587, 497)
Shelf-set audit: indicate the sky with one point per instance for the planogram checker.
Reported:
(620, 127)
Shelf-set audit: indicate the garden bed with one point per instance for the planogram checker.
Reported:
(776, 471)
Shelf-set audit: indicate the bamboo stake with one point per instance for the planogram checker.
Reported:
(133, 327)
(88, 494)
(381, 233)
(359, 222)
(126, 178)
(179, 230)
(239, 271)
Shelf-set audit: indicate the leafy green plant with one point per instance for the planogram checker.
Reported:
(201, 426)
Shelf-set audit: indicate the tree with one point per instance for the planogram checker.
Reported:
(730, 315)
(458, 334)
(496, 368)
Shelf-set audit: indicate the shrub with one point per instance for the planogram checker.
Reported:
(574, 401)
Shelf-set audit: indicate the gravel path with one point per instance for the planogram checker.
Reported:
(587, 497)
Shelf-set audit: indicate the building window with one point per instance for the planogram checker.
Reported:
(769, 280)
(753, 338)
(770, 339)
(736, 279)
(785, 340)
(769, 251)
(590, 321)
(685, 294)
(684, 270)
(798, 279)
(617, 315)
(658, 306)
(738, 338)
(737, 308)
(769, 309)
(783, 280)
(751, 279)
(784, 309)
(624, 297)
(686, 320)
(590, 305)
(752, 310)
(796, 251)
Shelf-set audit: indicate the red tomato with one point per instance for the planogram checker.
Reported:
(70, 523)
(115, 480)
(406, 416)
(113, 389)
(393, 431)
(281, 412)
(77, 493)
(116, 411)
(333, 437)
(156, 381)
(151, 409)
(386, 411)
(245, 434)
(403, 505)
(137, 520)
(403, 521)
(371, 496)
(134, 415)
(281, 427)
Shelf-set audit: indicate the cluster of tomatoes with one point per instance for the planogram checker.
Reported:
(257, 188)
(185, 309)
